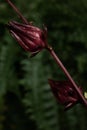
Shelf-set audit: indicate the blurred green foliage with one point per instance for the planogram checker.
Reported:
(26, 101)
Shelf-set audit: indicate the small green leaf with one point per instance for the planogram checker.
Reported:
(85, 94)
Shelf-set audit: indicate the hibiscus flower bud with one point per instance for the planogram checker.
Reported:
(31, 38)
(65, 93)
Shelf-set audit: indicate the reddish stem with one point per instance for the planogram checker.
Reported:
(67, 74)
(17, 11)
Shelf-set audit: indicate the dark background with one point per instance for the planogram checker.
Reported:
(26, 101)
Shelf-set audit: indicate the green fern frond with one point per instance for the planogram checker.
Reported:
(39, 101)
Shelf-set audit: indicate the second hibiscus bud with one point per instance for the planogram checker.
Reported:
(65, 93)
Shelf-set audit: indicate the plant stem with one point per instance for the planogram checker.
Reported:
(17, 11)
(67, 74)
